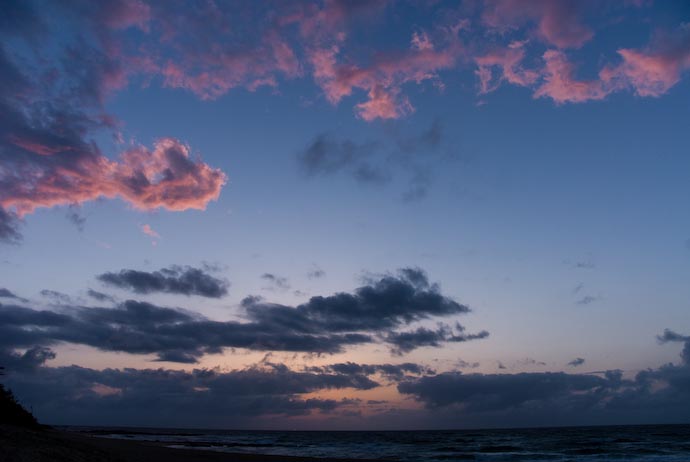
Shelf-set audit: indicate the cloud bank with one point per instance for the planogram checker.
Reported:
(370, 314)
(183, 280)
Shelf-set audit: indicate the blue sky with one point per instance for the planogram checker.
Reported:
(551, 199)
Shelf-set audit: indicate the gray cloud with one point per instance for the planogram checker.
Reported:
(581, 264)
(29, 360)
(57, 297)
(671, 336)
(9, 227)
(277, 282)
(207, 397)
(577, 362)
(326, 156)
(163, 397)
(412, 155)
(184, 280)
(587, 299)
(5, 293)
(485, 392)
(389, 371)
(462, 364)
(316, 273)
(404, 342)
(100, 296)
(75, 217)
(322, 325)
(242, 397)
(558, 398)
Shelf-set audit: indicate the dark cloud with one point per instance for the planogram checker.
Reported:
(75, 217)
(316, 273)
(100, 296)
(557, 398)
(57, 297)
(29, 360)
(577, 362)
(163, 397)
(587, 299)
(484, 392)
(326, 156)
(462, 364)
(277, 282)
(322, 325)
(671, 336)
(531, 362)
(205, 397)
(381, 305)
(184, 280)
(428, 140)
(581, 264)
(399, 152)
(389, 371)
(404, 342)
(9, 227)
(5, 293)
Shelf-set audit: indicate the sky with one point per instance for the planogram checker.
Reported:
(346, 214)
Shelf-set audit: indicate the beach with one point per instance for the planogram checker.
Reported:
(50, 445)
(645, 443)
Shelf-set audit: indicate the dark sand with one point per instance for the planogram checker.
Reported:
(22, 445)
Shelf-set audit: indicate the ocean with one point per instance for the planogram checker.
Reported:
(574, 444)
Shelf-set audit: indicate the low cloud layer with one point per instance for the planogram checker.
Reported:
(256, 395)
(182, 280)
(371, 314)
(163, 397)
(558, 398)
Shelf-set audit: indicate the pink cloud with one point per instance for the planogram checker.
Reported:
(383, 78)
(324, 34)
(649, 72)
(146, 229)
(215, 48)
(164, 177)
(383, 104)
(35, 146)
(121, 14)
(560, 84)
(508, 60)
(653, 71)
(558, 22)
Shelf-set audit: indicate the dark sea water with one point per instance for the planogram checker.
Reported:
(619, 443)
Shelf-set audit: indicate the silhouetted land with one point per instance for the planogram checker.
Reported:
(12, 413)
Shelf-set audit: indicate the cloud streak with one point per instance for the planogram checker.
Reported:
(182, 280)
(370, 314)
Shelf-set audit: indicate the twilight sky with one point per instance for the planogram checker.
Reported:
(346, 214)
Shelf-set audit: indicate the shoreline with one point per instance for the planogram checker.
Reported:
(52, 445)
